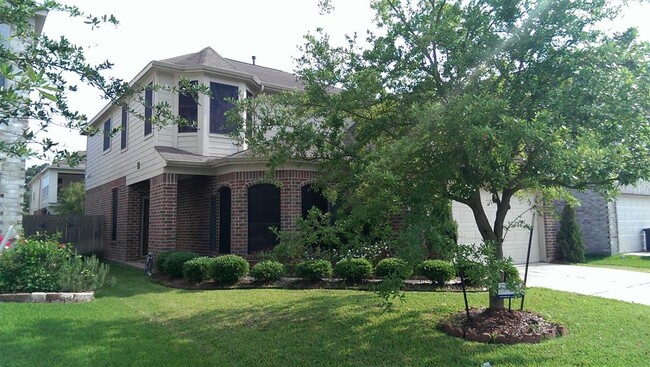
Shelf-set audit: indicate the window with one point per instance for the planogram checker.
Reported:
(212, 230)
(224, 220)
(310, 197)
(219, 107)
(114, 219)
(45, 187)
(187, 108)
(148, 109)
(263, 212)
(125, 117)
(107, 135)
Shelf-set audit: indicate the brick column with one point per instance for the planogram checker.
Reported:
(163, 211)
(551, 226)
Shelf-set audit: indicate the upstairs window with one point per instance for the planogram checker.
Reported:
(125, 117)
(148, 109)
(219, 107)
(45, 187)
(188, 109)
(107, 135)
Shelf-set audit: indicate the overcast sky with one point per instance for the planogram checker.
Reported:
(237, 29)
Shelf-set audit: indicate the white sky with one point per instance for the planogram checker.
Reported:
(237, 29)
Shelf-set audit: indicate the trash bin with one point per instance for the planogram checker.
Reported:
(646, 244)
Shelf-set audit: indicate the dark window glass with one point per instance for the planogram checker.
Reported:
(263, 212)
(224, 220)
(212, 242)
(114, 209)
(310, 198)
(219, 107)
(107, 134)
(148, 109)
(187, 108)
(124, 123)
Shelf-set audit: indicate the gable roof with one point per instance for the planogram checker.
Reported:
(211, 59)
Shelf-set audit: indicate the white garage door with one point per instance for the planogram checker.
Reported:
(516, 241)
(632, 215)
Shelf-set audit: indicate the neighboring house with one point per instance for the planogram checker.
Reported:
(45, 187)
(12, 169)
(172, 187)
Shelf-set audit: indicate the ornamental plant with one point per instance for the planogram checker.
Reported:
(353, 270)
(196, 269)
(394, 266)
(314, 270)
(267, 271)
(438, 271)
(569, 237)
(227, 269)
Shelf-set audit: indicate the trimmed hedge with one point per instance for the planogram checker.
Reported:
(353, 270)
(172, 263)
(196, 269)
(228, 269)
(438, 271)
(314, 269)
(267, 271)
(394, 265)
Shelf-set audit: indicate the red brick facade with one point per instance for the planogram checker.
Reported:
(179, 211)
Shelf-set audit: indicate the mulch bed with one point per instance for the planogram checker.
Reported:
(501, 326)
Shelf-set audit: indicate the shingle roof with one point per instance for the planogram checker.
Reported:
(210, 58)
(177, 155)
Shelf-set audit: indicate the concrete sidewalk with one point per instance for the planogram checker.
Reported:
(624, 285)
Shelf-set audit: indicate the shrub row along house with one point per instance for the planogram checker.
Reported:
(193, 188)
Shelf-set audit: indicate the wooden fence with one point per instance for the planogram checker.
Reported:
(85, 232)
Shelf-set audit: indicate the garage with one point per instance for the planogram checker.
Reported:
(516, 242)
(632, 214)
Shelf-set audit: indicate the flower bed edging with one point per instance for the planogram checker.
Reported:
(48, 297)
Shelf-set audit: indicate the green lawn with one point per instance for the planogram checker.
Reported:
(631, 262)
(137, 323)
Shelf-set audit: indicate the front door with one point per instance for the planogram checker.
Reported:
(144, 224)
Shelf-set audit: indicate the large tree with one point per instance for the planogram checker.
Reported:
(42, 73)
(451, 98)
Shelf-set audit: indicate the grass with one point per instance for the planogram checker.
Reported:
(631, 262)
(138, 323)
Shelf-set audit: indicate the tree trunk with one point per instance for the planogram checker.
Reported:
(492, 233)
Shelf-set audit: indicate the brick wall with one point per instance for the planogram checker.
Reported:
(99, 201)
(193, 218)
(162, 212)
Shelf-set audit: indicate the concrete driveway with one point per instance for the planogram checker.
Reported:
(624, 285)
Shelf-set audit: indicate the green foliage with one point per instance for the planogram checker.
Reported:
(473, 272)
(71, 200)
(267, 271)
(314, 270)
(196, 269)
(42, 264)
(353, 270)
(390, 289)
(161, 259)
(228, 269)
(172, 263)
(483, 268)
(569, 237)
(438, 271)
(82, 273)
(394, 266)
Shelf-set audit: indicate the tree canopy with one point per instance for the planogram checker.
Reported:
(450, 98)
(71, 199)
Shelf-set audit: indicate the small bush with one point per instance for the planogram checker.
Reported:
(173, 263)
(314, 269)
(228, 269)
(394, 266)
(569, 237)
(438, 271)
(475, 273)
(160, 260)
(196, 269)
(353, 270)
(510, 272)
(267, 271)
(81, 274)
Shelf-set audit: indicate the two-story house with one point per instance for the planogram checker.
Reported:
(180, 187)
(44, 187)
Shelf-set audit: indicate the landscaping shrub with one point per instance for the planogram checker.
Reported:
(314, 269)
(227, 269)
(569, 237)
(196, 269)
(438, 271)
(475, 272)
(510, 271)
(267, 271)
(82, 273)
(353, 270)
(172, 264)
(32, 266)
(394, 266)
(160, 260)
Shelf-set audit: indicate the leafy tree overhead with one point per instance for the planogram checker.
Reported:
(452, 98)
(38, 72)
(71, 199)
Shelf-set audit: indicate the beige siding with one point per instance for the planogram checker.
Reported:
(221, 145)
(164, 136)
